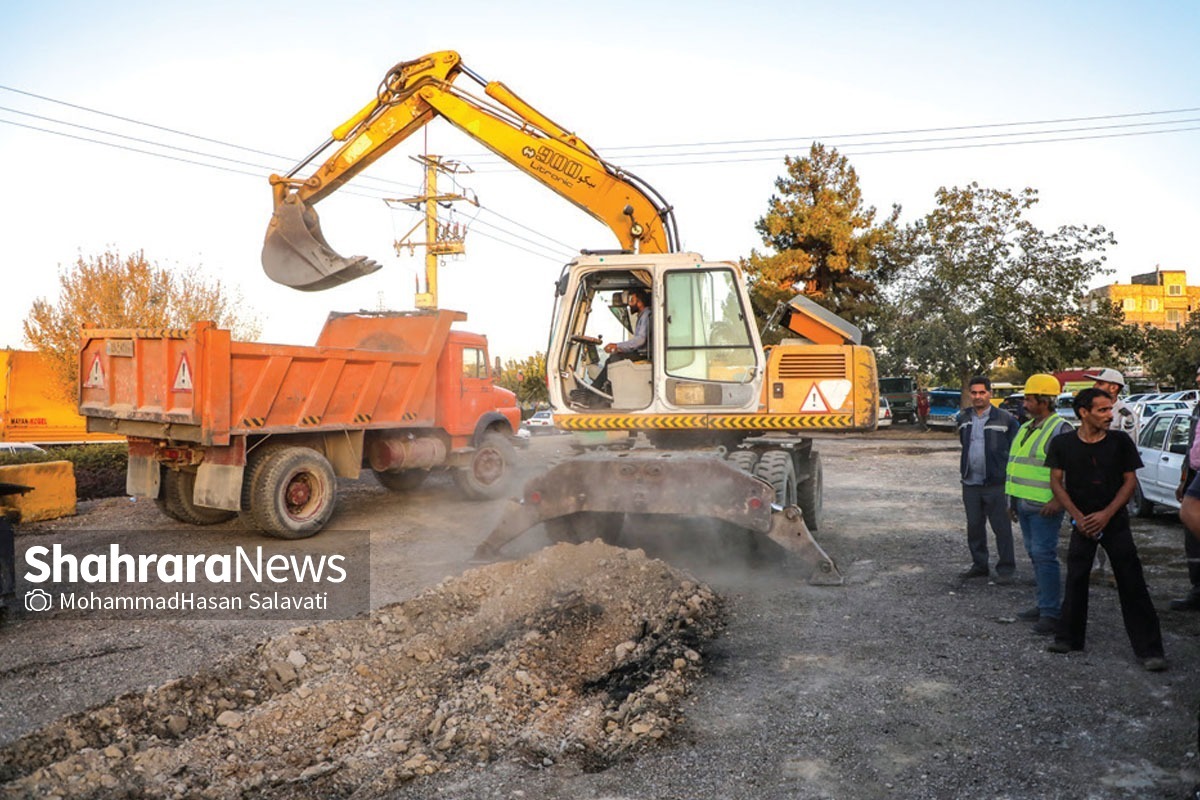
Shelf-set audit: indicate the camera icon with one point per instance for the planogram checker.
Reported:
(38, 600)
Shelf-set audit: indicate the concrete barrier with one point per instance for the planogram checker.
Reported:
(53, 494)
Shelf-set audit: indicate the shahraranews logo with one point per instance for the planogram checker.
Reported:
(118, 567)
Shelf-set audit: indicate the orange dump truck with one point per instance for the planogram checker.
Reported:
(217, 427)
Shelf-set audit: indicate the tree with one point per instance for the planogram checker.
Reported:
(825, 240)
(526, 378)
(1171, 356)
(975, 281)
(115, 291)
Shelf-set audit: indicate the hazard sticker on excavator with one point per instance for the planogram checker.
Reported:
(814, 402)
(95, 378)
(835, 391)
(183, 376)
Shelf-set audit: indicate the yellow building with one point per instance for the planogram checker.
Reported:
(1161, 298)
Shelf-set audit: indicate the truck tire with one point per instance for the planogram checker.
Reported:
(745, 460)
(584, 526)
(292, 492)
(810, 490)
(776, 468)
(489, 475)
(175, 500)
(405, 480)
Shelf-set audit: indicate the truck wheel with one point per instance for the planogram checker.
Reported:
(292, 492)
(584, 526)
(745, 460)
(776, 468)
(175, 500)
(403, 481)
(489, 474)
(810, 490)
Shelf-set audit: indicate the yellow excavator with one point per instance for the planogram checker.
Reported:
(730, 419)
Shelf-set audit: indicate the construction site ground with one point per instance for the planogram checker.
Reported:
(596, 673)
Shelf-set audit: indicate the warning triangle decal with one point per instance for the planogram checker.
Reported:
(814, 402)
(835, 391)
(183, 376)
(95, 378)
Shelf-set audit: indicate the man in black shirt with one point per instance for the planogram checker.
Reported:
(1092, 473)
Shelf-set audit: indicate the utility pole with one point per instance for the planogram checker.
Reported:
(441, 239)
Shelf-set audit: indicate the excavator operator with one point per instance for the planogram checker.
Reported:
(636, 348)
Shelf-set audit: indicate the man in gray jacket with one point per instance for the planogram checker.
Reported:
(986, 434)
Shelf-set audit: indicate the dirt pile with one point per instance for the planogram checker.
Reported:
(579, 652)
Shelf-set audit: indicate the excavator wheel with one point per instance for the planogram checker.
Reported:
(403, 480)
(745, 460)
(811, 489)
(585, 526)
(776, 468)
(490, 473)
(175, 500)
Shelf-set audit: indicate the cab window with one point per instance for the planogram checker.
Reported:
(474, 363)
(707, 334)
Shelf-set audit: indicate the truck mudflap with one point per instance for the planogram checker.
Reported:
(597, 486)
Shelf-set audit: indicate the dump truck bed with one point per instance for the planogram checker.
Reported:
(198, 385)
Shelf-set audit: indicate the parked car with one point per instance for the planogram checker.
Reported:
(885, 413)
(1163, 447)
(1148, 408)
(1065, 408)
(12, 448)
(944, 405)
(540, 422)
(1015, 405)
(1189, 396)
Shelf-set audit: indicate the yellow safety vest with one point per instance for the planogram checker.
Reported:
(1028, 475)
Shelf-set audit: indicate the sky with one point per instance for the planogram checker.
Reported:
(700, 99)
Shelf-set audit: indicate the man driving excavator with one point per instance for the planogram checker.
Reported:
(635, 348)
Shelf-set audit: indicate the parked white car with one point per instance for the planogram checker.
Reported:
(1162, 446)
(885, 413)
(11, 448)
(540, 422)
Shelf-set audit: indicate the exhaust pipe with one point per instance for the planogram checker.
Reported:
(296, 254)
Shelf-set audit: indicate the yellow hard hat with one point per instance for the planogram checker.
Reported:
(1042, 383)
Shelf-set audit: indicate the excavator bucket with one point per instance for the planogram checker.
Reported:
(296, 254)
(591, 495)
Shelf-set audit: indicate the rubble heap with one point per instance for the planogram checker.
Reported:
(580, 652)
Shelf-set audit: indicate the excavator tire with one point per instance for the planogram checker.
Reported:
(292, 492)
(810, 489)
(490, 473)
(776, 468)
(585, 526)
(745, 460)
(402, 481)
(175, 500)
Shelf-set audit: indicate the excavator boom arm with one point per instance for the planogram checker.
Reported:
(295, 252)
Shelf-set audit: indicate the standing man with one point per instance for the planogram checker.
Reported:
(986, 434)
(1111, 383)
(1092, 474)
(923, 408)
(1191, 545)
(1032, 500)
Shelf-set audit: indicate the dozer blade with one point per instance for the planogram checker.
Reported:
(680, 485)
(296, 254)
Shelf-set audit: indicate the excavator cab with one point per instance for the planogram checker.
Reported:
(703, 350)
